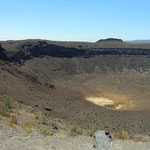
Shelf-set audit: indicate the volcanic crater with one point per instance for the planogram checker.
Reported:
(103, 85)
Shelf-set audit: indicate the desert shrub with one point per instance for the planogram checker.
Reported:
(46, 132)
(8, 101)
(4, 111)
(11, 121)
(122, 135)
(76, 130)
(38, 115)
(30, 126)
(91, 132)
(44, 120)
(41, 117)
(5, 106)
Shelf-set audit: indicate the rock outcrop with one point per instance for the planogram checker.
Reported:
(111, 40)
(28, 50)
(3, 54)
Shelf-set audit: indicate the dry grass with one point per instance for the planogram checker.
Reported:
(11, 122)
(5, 106)
(46, 132)
(29, 127)
(75, 130)
(121, 135)
(41, 117)
(84, 133)
(91, 132)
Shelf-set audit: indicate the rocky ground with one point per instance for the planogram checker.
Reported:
(52, 82)
(14, 140)
(23, 129)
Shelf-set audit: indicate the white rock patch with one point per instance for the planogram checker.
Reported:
(104, 102)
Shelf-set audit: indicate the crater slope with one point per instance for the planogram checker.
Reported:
(63, 76)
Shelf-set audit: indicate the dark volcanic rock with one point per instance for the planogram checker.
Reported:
(47, 109)
(110, 40)
(43, 48)
(28, 50)
(3, 54)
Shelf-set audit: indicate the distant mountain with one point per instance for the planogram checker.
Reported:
(139, 42)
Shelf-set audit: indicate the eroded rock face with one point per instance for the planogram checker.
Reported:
(26, 51)
(102, 140)
(43, 48)
(3, 54)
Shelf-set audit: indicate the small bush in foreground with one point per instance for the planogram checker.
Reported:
(76, 130)
(11, 121)
(91, 132)
(46, 132)
(42, 119)
(122, 135)
(30, 126)
(5, 106)
(8, 101)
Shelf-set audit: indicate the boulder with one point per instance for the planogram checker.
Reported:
(102, 140)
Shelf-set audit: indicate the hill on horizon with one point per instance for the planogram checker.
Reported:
(139, 41)
(12, 45)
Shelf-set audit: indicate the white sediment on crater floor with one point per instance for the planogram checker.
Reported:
(105, 102)
(100, 101)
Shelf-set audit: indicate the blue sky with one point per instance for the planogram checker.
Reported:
(74, 20)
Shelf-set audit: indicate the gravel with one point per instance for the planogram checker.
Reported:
(11, 139)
